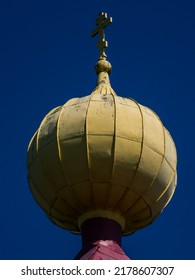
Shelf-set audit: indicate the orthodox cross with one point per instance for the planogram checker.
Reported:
(101, 22)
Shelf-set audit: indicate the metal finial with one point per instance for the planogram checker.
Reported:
(101, 22)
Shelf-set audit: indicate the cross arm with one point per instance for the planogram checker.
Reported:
(97, 30)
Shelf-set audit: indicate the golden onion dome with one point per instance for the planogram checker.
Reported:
(102, 156)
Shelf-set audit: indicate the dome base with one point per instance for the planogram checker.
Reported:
(99, 213)
(101, 240)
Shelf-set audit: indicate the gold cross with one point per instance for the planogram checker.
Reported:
(101, 22)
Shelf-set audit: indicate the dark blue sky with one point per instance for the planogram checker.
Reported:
(48, 57)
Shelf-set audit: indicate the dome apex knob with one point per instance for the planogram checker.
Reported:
(103, 66)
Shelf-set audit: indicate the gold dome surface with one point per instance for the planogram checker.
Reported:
(102, 156)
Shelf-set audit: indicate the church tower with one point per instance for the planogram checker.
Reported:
(102, 165)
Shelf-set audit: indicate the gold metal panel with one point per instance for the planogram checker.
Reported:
(149, 165)
(68, 199)
(153, 133)
(100, 149)
(126, 101)
(84, 99)
(41, 182)
(143, 214)
(137, 217)
(100, 117)
(128, 122)
(47, 130)
(64, 221)
(49, 157)
(71, 122)
(100, 96)
(72, 226)
(126, 158)
(172, 188)
(160, 183)
(73, 155)
(139, 224)
(148, 111)
(62, 207)
(100, 194)
(136, 208)
(115, 193)
(164, 200)
(60, 216)
(83, 191)
(128, 200)
(39, 197)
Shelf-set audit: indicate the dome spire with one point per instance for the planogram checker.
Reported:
(101, 22)
(103, 67)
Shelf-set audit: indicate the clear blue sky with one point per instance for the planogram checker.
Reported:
(47, 57)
